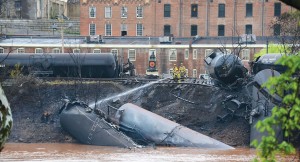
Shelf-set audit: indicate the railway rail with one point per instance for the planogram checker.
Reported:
(125, 81)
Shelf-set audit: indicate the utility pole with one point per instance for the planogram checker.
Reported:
(48, 9)
(61, 20)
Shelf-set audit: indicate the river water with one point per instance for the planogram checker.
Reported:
(77, 152)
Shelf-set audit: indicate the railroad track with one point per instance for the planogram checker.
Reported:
(137, 80)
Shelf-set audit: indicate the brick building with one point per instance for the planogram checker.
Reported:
(132, 29)
(139, 49)
(181, 18)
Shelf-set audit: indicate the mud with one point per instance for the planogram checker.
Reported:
(35, 105)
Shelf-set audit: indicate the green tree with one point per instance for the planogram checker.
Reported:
(272, 48)
(286, 115)
(287, 86)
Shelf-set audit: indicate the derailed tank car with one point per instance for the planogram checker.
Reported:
(131, 125)
(86, 65)
(268, 61)
(225, 68)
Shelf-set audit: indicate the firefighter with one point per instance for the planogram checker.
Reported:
(176, 72)
(182, 71)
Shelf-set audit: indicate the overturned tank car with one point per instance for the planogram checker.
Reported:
(90, 128)
(131, 126)
(225, 68)
(267, 61)
(229, 70)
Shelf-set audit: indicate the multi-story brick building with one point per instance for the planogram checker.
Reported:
(131, 29)
(181, 18)
(138, 50)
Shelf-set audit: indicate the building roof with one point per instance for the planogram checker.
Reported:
(81, 41)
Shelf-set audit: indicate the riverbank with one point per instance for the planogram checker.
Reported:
(35, 105)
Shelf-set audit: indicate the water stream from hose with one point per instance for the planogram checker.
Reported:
(125, 93)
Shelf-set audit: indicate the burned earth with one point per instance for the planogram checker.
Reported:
(35, 105)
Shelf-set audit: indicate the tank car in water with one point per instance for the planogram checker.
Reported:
(86, 65)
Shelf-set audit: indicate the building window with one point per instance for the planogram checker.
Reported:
(92, 11)
(139, 12)
(123, 29)
(221, 10)
(77, 50)
(172, 55)
(56, 50)
(221, 30)
(108, 29)
(152, 52)
(246, 54)
(167, 10)
(18, 4)
(108, 12)
(248, 29)
(194, 10)
(97, 51)
(249, 10)
(124, 12)
(208, 52)
(167, 30)
(92, 29)
(1, 50)
(277, 9)
(186, 54)
(114, 52)
(194, 30)
(277, 28)
(171, 71)
(131, 55)
(38, 50)
(20, 50)
(187, 72)
(194, 73)
(195, 53)
(139, 29)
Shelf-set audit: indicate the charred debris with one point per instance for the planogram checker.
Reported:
(131, 125)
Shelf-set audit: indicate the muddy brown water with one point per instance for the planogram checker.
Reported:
(65, 152)
(78, 152)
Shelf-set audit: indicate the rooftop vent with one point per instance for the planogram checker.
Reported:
(247, 38)
(166, 39)
(94, 39)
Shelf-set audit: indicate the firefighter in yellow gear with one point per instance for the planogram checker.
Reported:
(182, 71)
(176, 73)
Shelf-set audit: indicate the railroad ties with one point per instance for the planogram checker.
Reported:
(124, 81)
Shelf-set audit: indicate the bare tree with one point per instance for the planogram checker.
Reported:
(286, 28)
(293, 3)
